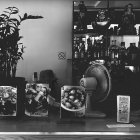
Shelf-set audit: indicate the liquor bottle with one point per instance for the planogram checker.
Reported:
(114, 52)
(102, 51)
(107, 52)
(112, 49)
(132, 51)
(35, 77)
(95, 50)
(122, 53)
(115, 30)
(76, 51)
(111, 31)
(89, 49)
(82, 50)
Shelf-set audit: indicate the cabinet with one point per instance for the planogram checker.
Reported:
(113, 45)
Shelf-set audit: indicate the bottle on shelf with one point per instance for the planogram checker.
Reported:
(115, 32)
(114, 52)
(110, 31)
(102, 51)
(82, 50)
(112, 49)
(132, 52)
(95, 50)
(89, 49)
(106, 48)
(35, 77)
(122, 54)
(76, 51)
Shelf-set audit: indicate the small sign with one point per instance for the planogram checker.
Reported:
(61, 55)
(123, 109)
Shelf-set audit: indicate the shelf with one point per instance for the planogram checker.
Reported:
(79, 60)
(89, 32)
(124, 35)
(91, 15)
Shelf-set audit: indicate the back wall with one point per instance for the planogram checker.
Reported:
(44, 38)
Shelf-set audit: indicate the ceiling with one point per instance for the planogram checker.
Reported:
(92, 4)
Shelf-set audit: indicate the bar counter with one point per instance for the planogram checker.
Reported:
(53, 127)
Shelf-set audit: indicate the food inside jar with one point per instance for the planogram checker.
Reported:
(73, 98)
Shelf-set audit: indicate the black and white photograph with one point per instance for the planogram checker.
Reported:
(70, 69)
(8, 101)
(36, 103)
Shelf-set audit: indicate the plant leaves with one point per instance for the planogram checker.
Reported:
(24, 17)
(13, 23)
(20, 43)
(15, 20)
(1, 20)
(6, 12)
(14, 12)
(34, 17)
(4, 15)
(20, 17)
(30, 17)
(15, 8)
(10, 8)
(21, 57)
(13, 27)
(20, 37)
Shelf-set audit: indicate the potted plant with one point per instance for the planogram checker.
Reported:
(11, 49)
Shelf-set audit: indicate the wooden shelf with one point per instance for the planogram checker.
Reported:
(86, 32)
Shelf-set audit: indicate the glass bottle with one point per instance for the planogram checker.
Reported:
(114, 52)
(132, 51)
(95, 50)
(122, 53)
(102, 51)
(82, 50)
(112, 49)
(35, 77)
(89, 49)
(76, 51)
